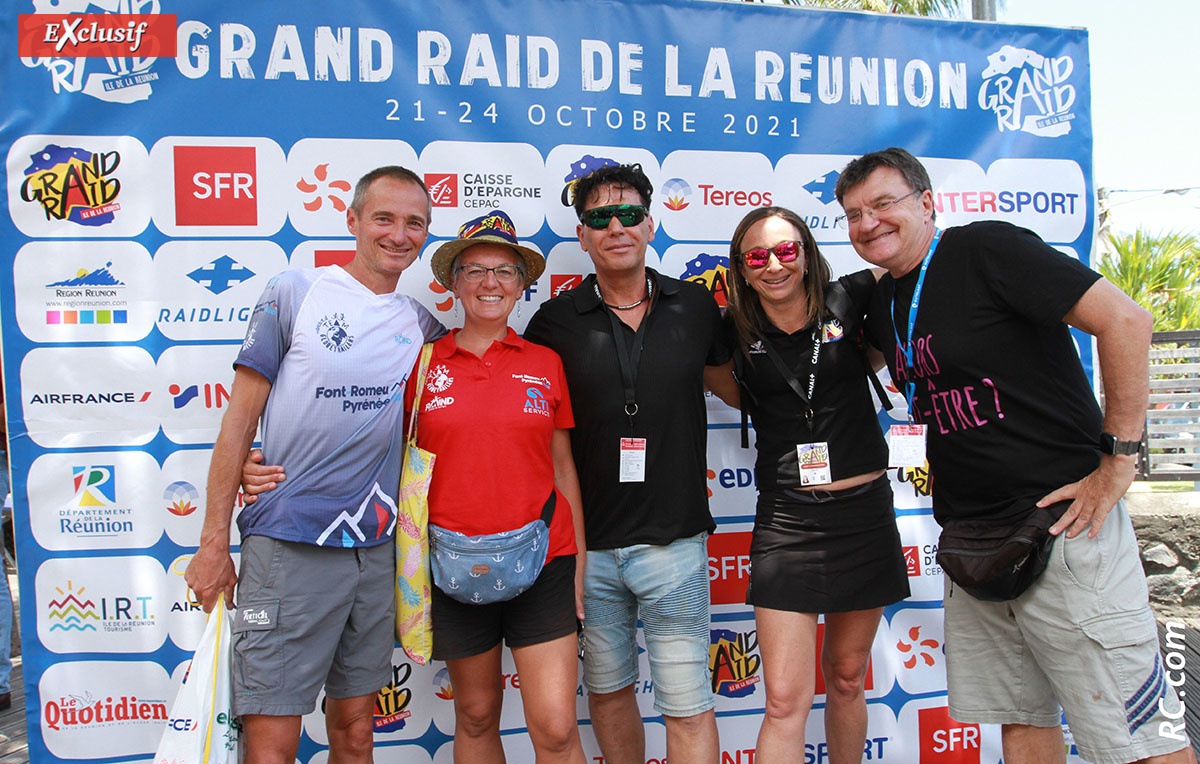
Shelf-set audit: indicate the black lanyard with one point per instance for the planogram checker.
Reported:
(628, 360)
(790, 377)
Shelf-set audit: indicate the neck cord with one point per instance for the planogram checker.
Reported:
(632, 305)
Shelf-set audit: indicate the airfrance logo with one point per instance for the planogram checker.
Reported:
(73, 184)
(1028, 91)
(221, 274)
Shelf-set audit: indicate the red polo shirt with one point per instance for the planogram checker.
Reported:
(489, 421)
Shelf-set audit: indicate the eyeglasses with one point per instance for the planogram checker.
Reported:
(627, 214)
(505, 273)
(853, 216)
(784, 251)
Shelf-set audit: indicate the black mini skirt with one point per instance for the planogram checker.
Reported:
(827, 551)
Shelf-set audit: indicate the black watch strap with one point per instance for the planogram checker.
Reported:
(1113, 447)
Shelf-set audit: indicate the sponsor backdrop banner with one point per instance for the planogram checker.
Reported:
(149, 200)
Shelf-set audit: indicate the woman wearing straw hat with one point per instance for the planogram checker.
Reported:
(496, 413)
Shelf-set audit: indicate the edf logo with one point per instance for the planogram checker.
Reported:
(945, 741)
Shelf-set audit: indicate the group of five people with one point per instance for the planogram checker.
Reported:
(619, 447)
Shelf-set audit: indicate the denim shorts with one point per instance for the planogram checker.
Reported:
(1083, 638)
(310, 615)
(667, 586)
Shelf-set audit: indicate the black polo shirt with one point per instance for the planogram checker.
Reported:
(683, 335)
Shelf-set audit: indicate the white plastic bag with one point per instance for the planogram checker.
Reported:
(201, 728)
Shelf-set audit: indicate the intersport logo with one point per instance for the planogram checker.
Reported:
(96, 35)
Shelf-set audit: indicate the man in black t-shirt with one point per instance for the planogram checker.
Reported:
(636, 348)
(973, 322)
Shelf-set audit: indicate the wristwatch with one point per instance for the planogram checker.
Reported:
(1113, 447)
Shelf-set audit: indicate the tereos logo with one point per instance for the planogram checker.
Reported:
(734, 662)
(677, 191)
(73, 184)
(181, 497)
(711, 271)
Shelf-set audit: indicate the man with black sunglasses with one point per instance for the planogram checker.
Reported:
(974, 323)
(637, 347)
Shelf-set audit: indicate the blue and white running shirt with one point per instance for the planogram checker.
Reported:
(337, 356)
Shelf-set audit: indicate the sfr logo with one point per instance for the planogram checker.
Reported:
(945, 741)
(215, 185)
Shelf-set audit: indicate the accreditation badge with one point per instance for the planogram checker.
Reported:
(814, 463)
(906, 446)
(633, 460)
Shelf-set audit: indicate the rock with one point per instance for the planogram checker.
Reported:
(1159, 557)
(1168, 588)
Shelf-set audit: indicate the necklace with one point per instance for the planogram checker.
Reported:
(632, 305)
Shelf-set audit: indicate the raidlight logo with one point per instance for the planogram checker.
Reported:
(585, 166)
(215, 186)
(443, 188)
(822, 188)
(918, 651)
(912, 561)
(563, 282)
(323, 190)
(710, 271)
(1028, 91)
(391, 702)
(215, 394)
(221, 274)
(87, 711)
(96, 35)
(945, 741)
(91, 297)
(73, 184)
(734, 662)
(181, 497)
(677, 192)
(89, 398)
(728, 567)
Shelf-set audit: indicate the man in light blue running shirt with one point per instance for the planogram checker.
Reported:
(324, 364)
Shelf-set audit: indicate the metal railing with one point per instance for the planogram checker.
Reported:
(1171, 446)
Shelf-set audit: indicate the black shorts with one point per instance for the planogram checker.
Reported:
(827, 552)
(544, 612)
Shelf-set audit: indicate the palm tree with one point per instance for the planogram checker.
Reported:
(1160, 273)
